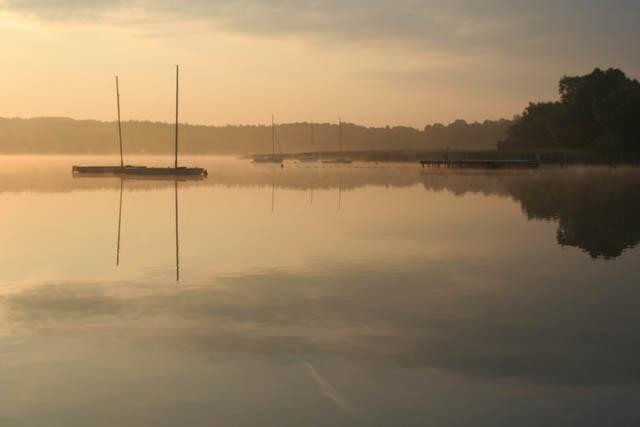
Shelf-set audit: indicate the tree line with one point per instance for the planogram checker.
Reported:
(68, 136)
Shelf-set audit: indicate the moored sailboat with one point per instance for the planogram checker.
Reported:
(273, 157)
(147, 171)
(339, 160)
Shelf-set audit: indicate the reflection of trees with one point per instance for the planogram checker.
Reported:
(597, 210)
(595, 111)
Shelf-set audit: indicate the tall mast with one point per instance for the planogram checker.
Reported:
(176, 149)
(119, 124)
(312, 135)
(340, 130)
(273, 135)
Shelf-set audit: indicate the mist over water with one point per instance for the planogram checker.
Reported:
(370, 294)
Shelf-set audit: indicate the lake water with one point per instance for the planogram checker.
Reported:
(362, 295)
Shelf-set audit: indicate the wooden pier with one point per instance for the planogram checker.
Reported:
(481, 164)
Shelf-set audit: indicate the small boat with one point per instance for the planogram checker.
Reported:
(339, 160)
(143, 171)
(273, 157)
(307, 158)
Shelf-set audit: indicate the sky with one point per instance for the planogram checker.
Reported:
(372, 62)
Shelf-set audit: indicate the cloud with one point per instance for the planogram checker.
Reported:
(434, 24)
(63, 10)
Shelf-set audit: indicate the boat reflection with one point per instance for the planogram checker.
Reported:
(177, 221)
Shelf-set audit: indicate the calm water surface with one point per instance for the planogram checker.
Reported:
(363, 295)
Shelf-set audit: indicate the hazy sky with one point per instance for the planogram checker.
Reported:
(373, 62)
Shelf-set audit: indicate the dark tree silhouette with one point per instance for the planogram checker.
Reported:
(596, 112)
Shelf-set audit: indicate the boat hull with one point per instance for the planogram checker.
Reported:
(138, 171)
(338, 161)
(307, 159)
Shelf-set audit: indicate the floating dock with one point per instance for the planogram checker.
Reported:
(481, 164)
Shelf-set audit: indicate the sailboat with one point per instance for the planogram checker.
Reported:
(273, 157)
(339, 160)
(309, 157)
(128, 170)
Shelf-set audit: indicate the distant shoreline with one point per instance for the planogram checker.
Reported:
(68, 136)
